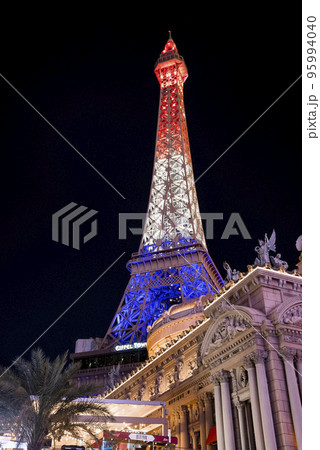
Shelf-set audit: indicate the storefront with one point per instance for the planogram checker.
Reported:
(135, 425)
(125, 440)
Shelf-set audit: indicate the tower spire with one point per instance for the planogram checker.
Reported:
(172, 265)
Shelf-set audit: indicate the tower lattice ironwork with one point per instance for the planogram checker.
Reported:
(172, 264)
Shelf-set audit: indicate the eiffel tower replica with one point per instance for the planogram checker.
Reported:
(173, 265)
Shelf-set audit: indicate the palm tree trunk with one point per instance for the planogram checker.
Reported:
(36, 445)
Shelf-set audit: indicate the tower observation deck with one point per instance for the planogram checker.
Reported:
(172, 265)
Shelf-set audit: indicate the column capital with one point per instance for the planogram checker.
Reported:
(247, 362)
(207, 397)
(184, 409)
(224, 376)
(255, 357)
(220, 377)
(216, 379)
(288, 353)
(259, 356)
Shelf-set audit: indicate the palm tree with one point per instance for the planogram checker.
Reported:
(37, 400)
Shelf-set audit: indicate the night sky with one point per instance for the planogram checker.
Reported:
(90, 74)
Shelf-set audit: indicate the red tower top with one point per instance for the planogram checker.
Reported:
(170, 67)
(170, 45)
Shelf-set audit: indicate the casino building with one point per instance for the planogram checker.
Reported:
(224, 355)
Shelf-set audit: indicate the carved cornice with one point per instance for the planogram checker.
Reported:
(292, 337)
(255, 276)
(192, 387)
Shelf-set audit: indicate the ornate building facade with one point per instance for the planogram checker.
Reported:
(225, 356)
(238, 369)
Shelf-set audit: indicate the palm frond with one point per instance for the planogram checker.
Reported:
(37, 398)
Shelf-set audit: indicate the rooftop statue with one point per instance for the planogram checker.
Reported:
(264, 248)
(277, 262)
(231, 274)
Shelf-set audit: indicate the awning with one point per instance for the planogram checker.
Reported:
(212, 437)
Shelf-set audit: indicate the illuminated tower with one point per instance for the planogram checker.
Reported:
(172, 265)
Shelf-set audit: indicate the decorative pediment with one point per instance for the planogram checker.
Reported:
(228, 328)
(293, 315)
(225, 328)
(288, 313)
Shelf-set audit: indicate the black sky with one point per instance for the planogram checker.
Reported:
(90, 74)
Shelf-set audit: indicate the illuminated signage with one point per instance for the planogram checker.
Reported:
(134, 346)
(141, 437)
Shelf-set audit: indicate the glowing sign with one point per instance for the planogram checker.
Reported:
(134, 346)
(141, 437)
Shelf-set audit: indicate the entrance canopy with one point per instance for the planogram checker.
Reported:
(144, 416)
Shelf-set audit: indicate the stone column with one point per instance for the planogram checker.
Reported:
(178, 427)
(299, 369)
(184, 427)
(191, 430)
(242, 425)
(218, 410)
(264, 399)
(255, 405)
(202, 419)
(294, 396)
(207, 399)
(227, 411)
(193, 439)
